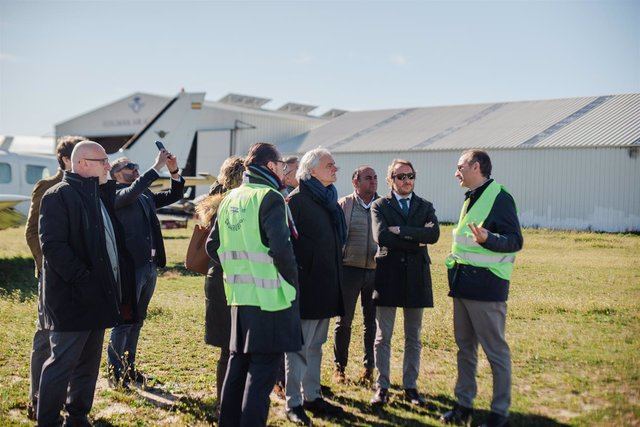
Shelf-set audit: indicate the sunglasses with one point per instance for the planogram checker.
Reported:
(130, 166)
(403, 176)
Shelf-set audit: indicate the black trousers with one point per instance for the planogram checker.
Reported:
(247, 385)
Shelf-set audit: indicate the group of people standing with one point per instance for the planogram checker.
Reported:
(287, 255)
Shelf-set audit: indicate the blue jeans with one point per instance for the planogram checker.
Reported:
(121, 353)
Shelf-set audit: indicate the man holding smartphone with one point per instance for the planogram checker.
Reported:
(136, 209)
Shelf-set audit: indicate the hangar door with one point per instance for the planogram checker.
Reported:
(213, 149)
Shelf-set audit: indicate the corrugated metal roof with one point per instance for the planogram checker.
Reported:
(591, 121)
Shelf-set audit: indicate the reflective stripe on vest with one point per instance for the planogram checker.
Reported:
(247, 279)
(465, 250)
(476, 257)
(251, 256)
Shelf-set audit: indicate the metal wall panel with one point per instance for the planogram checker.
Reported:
(588, 188)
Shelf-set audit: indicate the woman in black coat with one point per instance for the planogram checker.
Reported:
(217, 317)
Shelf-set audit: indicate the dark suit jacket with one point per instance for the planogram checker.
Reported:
(79, 291)
(403, 277)
(136, 209)
(254, 330)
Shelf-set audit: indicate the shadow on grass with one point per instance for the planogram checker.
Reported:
(17, 278)
(435, 407)
(179, 269)
(156, 395)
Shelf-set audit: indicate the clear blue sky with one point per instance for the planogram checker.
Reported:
(60, 59)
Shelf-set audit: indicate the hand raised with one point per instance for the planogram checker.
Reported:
(172, 162)
(480, 234)
(161, 159)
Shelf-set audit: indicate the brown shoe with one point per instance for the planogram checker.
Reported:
(366, 377)
(339, 376)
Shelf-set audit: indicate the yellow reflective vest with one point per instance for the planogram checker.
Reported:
(465, 250)
(250, 276)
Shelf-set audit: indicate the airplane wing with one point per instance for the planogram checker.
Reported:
(9, 217)
(164, 183)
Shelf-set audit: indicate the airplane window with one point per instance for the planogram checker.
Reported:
(5, 173)
(35, 173)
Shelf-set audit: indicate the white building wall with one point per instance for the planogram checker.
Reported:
(582, 188)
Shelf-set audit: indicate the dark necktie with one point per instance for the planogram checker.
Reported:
(404, 204)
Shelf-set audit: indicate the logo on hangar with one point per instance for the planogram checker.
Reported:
(136, 104)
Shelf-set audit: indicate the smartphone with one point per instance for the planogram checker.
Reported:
(160, 145)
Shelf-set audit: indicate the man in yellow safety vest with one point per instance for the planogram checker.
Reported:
(485, 241)
(251, 241)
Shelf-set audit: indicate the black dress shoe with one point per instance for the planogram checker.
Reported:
(297, 416)
(459, 416)
(320, 406)
(31, 410)
(412, 395)
(496, 420)
(381, 397)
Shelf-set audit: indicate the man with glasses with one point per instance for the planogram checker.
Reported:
(41, 349)
(88, 283)
(136, 209)
(403, 224)
(485, 242)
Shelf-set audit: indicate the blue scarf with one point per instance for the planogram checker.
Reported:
(328, 198)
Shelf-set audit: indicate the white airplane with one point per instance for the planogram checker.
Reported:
(24, 161)
(9, 217)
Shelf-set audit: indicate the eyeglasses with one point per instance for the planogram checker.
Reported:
(285, 165)
(103, 161)
(403, 176)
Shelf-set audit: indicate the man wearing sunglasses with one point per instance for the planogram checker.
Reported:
(403, 224)
(136, 209)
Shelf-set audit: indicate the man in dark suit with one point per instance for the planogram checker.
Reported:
(403, 224)
(136, 209)
(88, 283)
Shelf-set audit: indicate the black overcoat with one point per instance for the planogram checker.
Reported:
(79, 290)
(403, 276)
(319, 256)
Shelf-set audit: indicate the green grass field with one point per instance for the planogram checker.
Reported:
(573, 326)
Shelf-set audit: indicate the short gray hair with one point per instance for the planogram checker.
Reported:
(309, 161)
